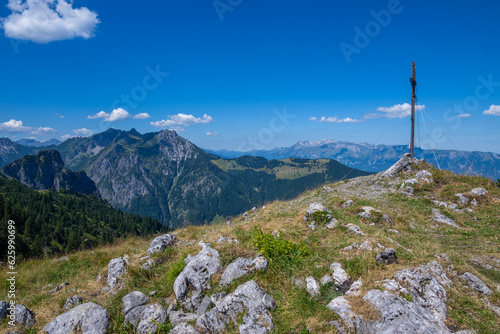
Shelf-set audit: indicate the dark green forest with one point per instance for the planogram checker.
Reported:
(49, 222)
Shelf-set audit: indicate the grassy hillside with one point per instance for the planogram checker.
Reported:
(300, 252)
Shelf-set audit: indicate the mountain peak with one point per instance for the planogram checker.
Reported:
(46, 170)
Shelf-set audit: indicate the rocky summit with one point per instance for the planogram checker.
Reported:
(46, 170)
(410, 250)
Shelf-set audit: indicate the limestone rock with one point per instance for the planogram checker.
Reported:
(440, 218)
(3, 309)
(462, 199)
(477, 284)
(315, 207)
(73, 301)
(409, 183)
(341, 306)
(326, 279)
(148, 264)
(354, 229)
(387, 256)
(312, 286)
(150, 317)
(401, 164)
(424, 175)
(340, 276)
(242, 266)
(366, 213)
(409, 191)
(479, 191)
(206, 303)
(332, 224)
(426, 312)
(132, 316)
(223, 239)
(347, 204)
(249, 298)
(176, 317)
(159, 244)
(355, 289)
(133, 300)
(86, 318)
(117, 268)
(197, 273)
(24, 316)
(184, 328)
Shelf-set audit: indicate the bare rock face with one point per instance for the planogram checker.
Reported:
(3, 310)
(73, 301)
(400, 165)
(387, 256)
(150, 317)
(248, 298)
(340, 277)
(86, 318)
(184, 328)
(24, 316)
(441, 218)
(117, 268)
(133, 300)
(415, 303)
(424, 176)
(159, 244)
(479, 191)
(46, 170)
(477, 284)
(241, 267)
(312, 286)
(196, 276)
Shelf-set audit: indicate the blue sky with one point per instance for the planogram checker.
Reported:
(241, 74)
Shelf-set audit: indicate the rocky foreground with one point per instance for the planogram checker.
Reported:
(396, 252)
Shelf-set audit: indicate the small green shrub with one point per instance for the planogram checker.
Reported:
(407, 296)
(321, 217)
(276, 248)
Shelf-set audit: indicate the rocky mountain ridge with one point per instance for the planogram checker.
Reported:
(367, 255)
(46, 170)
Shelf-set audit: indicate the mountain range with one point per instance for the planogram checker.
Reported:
(164, 176)
(37, 143)
(376, 158)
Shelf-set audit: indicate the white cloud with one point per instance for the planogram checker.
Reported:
(43, 131)
(398, 110)
(212, 134)
(180, 121)
(494, 110)
(335, 119)
(372, 116)
(142, 115)
(58, 115)
(14, 126)
(65, 137)
(464, 115)
(45, 21)
(118, 114)
(83, 132)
